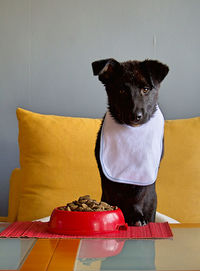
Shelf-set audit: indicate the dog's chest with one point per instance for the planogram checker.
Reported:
(132, 154)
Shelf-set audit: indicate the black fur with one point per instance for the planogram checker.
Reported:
(132, 90)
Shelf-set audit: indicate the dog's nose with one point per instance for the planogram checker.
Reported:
(138, 116)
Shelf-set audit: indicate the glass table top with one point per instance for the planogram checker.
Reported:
(180, 253)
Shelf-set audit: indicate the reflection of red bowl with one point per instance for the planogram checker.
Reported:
(86, 223)
(100, 248)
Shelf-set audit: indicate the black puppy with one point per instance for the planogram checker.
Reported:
(129, 144)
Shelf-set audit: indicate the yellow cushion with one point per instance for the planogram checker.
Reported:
(178, 183)
(57, 162)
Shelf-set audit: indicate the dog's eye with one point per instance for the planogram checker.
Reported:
(122, 91)
(145, 90)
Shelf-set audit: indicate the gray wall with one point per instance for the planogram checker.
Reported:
(46, 47)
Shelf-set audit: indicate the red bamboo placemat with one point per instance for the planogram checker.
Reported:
(40, 230)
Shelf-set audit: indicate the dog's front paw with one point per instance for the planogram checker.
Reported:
(136, 218)
(140, 223)
(137, 223)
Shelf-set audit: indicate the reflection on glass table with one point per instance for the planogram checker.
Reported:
(181, 253)
(14, 251)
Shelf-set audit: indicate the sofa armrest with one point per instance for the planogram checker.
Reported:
(14, 195)
(3, 218)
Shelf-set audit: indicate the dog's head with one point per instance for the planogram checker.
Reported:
(132, 88)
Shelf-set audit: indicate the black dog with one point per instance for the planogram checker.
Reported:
(132, 88)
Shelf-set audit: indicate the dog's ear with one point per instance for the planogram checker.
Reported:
(156, 70)
(106, 69)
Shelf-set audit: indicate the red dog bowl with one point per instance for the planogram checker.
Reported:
(86, 223)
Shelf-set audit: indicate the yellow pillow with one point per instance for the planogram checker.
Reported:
(57, 162)
(178, 183)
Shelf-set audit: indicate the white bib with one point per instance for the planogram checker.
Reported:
(129, 154)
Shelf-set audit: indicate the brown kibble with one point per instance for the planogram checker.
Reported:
(106, 205)
(86, 204)
(92, 205)
(98, 210)
(62, 208)
(72, 206)
(80, 209)
(86, 197)
(109, 209)
(88, 209)
(95, 202)
(83, 201)
(89, 201)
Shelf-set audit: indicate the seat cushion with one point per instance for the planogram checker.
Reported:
(57, 162)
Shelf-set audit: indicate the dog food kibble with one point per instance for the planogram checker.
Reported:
(86, 204)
